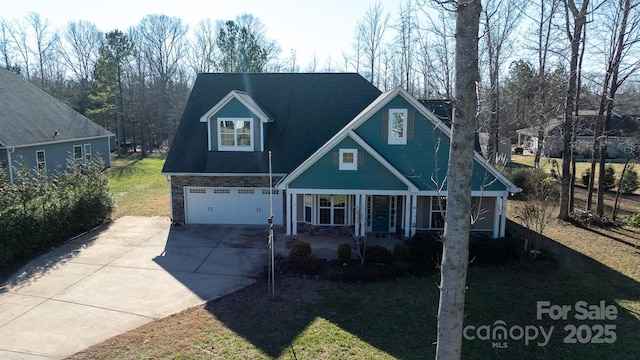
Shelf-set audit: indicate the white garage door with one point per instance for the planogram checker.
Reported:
(231, 205)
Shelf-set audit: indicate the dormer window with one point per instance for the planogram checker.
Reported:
(235, 134)
(398, 126)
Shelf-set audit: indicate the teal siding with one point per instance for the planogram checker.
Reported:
(423, 159)
(323, 174)
(235, 109)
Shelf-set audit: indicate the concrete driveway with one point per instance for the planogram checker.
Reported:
(119, 277)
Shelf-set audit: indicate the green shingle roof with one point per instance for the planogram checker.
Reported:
(306, 109)
(30, 116)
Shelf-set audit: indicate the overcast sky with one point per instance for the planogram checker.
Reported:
(322, 27)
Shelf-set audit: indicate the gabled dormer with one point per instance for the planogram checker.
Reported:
(236, 123)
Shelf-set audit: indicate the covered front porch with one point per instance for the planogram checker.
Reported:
(321, 213)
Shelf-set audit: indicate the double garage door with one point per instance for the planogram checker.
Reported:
(207, 205)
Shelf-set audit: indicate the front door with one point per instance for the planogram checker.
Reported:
(380, 221)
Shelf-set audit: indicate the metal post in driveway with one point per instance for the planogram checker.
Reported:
(272, 264)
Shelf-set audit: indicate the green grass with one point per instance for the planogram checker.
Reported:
(138, 186)
(546, 164)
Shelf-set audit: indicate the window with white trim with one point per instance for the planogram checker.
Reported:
(397, 127)
(348, 159)
(235, 134)
(308, 208)
(87, 152)
(332, 209)
(438, 211)
(41, 161)
(77, 152)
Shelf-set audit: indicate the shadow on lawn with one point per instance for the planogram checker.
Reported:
(398, 317)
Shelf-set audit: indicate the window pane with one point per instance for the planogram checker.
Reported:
(439, 203)
(40, 156)
(397, 127)
(77, 152)
(325, 200)
(227, 140)
(227, 127)
(308, 200)
(347, 158)
(339, 200)
(243, 127)
(244, 140)
(307, 214)
(437, 220)
(338, 216)
(325, 216)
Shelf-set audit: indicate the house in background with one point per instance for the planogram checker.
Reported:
(346, 158)
(38, 131)
(623, 137)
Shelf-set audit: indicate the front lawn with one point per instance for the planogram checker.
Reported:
(317, 319)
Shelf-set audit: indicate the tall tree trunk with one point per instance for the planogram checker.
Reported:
(579, 19)
(455, 256)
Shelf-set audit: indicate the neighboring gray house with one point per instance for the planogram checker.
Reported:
(37, 130)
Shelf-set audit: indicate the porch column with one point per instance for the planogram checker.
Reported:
(358, 217)
(414, 215)
(496, 217)
(406, 214)
(294, 214)
(503, 219)
(363, 215)
(288, 212)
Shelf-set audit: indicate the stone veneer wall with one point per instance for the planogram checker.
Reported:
(178, 183)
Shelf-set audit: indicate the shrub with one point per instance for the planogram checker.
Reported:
(344, 253)
(630, 182)
(401, 253)
(425, 254)
(527, 179)
(378, 255)
(39, 211)
(586, 176)
(609, 177)
(634, 220)
(300, 249)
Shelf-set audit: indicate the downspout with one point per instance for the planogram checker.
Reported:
(9, 151)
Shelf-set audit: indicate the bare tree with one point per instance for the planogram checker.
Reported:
(405, 45)
(79, 47)
(500, 18)
(623, 30)
(576, 20)
(20, 38)
(202, 50)
(436, 52)
(162, 42)
(544, 37)
(370, 31)
(455, 255)
(44, 47)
